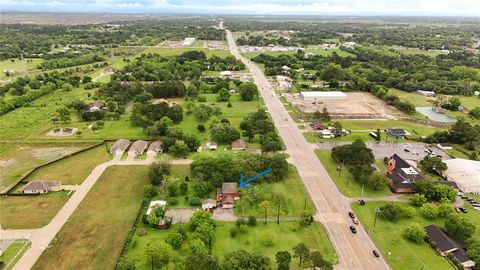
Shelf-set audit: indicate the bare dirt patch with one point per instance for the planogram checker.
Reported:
(355, 106)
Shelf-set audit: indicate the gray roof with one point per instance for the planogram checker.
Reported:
(40, 185)
(138, 147)
(442, 241)
(228, 199)
(397, 132)
(209, 201)
(155, 146)
(120, 144)
(239, 144)
(229, 187)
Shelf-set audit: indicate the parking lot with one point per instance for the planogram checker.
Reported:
(406, 150)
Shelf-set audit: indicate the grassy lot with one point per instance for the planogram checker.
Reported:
(36, 211)
(19, 66)
(328, 52)
(409, 51)
(19, 247)
(177, 51)
(312, 137)
(286, 235)
(371, 125)
(73, 170)
(95, 233)
(352, 189)
(398, 251)
(22, 157)
(293, 190)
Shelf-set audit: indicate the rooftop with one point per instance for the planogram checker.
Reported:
(229, 187)
(464, 171)
(40, 185)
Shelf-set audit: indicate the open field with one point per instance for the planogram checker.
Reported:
(73, 170)
(94, 235)
(313, 137)
(322, 52)
(25, 212)
(372, 125)
(296, 198)
(21, 67)
(409, 51)
(22, 157)
(14, 252)
(345, 182)
(398, 251)
(286, 235)
(177, 51)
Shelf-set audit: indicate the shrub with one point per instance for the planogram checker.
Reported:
(201, 127)
(175, 240)
(172, 201)
(429, 210)
(240, 222)
(233, 232)
(414, 232)
(268, 239)
(252, 221)
(195, 201)
(144, 220)
(142, 232)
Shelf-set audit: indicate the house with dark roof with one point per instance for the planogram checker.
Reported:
(39, 187)
(447, 246)
(398, 133)
(402, 174)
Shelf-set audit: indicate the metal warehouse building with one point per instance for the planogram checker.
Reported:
(322, 95)
(466, 173)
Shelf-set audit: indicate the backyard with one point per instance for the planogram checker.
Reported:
(94, 235)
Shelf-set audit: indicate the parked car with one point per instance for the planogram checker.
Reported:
(473, 202)
(463, 209)
(464, 197)
(470, 200)
(353, 229)
(476, 208)
(351, 214)
(355, 221)
(406, 150)
(458, 210)
(460, 193)
(361, 202)
(376, 254)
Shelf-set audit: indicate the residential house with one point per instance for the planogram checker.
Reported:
(402, 174)
(138, 147)
(211, 145)
(96, 106)
(228, 194)
(209, 204)
(228, 202)
(110, 70)
(155, 148)
(119, 146)
(40, 187)
(447, 246)
(398, 133)
(238, 145)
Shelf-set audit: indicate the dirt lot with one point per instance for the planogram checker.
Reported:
(356, 106)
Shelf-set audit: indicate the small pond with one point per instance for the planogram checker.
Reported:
(434, 115)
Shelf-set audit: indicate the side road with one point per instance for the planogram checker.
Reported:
(42, 237)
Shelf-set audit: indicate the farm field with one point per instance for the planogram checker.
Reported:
(37, 211)
(95, 233)
(291, 234)
(296, 198)
(73, 170)
(345, 182)
(398, 251)
(22, 157)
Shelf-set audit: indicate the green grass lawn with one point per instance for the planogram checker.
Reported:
(293, 190)
(73, 170)
(26, 212)
(312, 137)
(371, 125)
(23, 157)
(286, 235)
(20, 67)
(17, 248)
(328, 52)
(398, 251)
(353, 189)
(410, 51)
(94, 235)
(177, 51)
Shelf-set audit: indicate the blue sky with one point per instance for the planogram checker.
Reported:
(257, 7)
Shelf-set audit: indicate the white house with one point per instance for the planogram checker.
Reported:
(154, 204)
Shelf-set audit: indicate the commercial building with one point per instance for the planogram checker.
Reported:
(402, 174)
(464, 172)
(321, 95)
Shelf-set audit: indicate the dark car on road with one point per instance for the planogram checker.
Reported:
(463, 209)
(376, 254)
(353, 229)
(351, 214)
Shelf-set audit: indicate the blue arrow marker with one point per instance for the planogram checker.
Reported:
(243, 184)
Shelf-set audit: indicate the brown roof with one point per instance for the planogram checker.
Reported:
(120, 144)
(155, 146)
(239, 144)
(138, 147)
(97, 103)
(229, 187)
(40, 185)
(209, 201)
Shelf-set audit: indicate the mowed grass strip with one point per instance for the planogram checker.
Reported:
(27, 212)
(14, 252)
(74, 169)
(94, 235)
